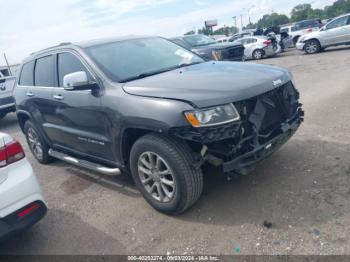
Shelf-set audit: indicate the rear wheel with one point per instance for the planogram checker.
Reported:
(258, 54)
(37, 144)
(312, 47)
(162, 170)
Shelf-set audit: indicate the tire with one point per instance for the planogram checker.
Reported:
(174, 156)
(36, 142)
(258, 54)
(312, 47)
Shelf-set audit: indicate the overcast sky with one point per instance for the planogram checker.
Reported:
(30, 25)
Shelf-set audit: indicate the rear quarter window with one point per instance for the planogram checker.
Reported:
(27, 77)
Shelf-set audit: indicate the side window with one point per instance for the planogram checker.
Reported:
(67, 64)
(342, 21)
(27, 74)
(251, 40)
(44, 74)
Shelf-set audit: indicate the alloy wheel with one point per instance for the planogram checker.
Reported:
(258, 54)
(311, 47)
(156, 177)
(34, 143)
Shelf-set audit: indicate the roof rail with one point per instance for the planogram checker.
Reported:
(60, 44)
(65, 43)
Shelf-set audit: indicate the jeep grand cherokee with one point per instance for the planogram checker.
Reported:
(146, 106)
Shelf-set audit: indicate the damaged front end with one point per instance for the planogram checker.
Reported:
(266, 122)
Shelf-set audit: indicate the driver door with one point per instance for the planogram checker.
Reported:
(336, 32)
(80, 123)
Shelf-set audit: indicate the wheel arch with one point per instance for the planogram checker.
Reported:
(129, 137)
(22, 117)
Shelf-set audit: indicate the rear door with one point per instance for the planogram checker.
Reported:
(40, 102)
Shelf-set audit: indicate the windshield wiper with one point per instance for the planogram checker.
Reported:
(151, 73)
(189, 64)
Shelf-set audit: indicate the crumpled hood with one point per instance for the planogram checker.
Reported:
(211, 83)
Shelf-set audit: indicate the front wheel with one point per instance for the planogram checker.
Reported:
(312, 47)
(163, 171)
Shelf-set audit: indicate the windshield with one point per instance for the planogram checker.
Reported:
(132, 59)
(199, 40)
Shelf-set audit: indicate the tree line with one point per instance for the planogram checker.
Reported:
(298, 13)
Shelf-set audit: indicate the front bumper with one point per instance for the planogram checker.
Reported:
(267, 122)
(22, 219)
(260, 152)
(300, 46)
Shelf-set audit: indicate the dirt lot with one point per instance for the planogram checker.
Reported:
(304, 190)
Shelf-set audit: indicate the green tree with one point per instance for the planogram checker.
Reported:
(226, 30)
(192, 32)
(300, 12)
(204, 31)
(315, 13)
(338, 8)
(273, 19)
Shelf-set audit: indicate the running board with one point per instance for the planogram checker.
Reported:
(85, 164)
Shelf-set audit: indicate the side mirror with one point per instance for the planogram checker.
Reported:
(78, 81)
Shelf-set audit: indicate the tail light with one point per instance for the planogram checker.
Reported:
(267, 42)
(11, 153)
(309, 30)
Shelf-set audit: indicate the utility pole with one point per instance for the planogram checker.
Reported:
(235, 21)
(241, 22)
(7, 63)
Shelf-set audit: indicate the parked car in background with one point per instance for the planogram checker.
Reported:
(296, 30)
(336, 32)
(21, 202)
(223, 39)
(164, 119)
(258, 47)
(209, 49)
(7, 103)
(242, 34)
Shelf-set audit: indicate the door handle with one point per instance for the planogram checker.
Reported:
(58, 97)
(30, 94)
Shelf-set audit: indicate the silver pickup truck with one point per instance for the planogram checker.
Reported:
(7, 103)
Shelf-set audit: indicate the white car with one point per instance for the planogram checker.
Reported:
(258, 47)
(7, 102)
(21, 201)
(334, 33)
(299, 29)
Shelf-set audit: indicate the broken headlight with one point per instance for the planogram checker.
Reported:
(213, 116)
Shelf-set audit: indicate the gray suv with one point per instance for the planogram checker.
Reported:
(147, 107)
(336, 32)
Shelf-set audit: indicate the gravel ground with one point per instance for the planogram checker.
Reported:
(303, 190)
